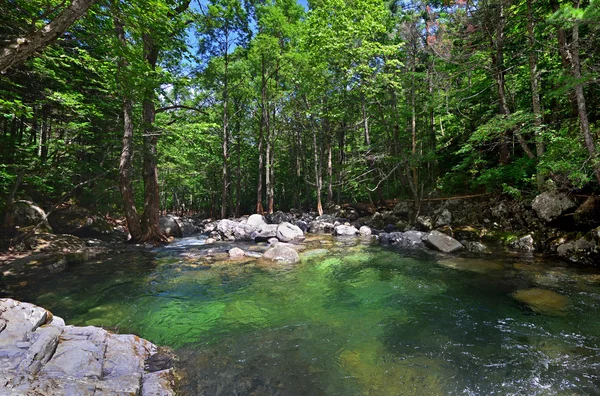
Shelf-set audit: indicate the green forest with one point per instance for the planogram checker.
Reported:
(231, 107)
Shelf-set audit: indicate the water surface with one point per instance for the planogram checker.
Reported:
(350, 319)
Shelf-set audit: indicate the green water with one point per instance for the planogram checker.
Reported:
(350, 319)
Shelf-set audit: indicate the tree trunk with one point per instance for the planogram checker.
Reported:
(225, 130)
(581, 105)
(151, 231)
(365, 119)
(534, 76)
(329, 174)
(318, 178)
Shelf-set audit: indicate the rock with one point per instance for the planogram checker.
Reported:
(444, 218)
(320, 227)
(188, 227)
(256, 220)
(443, 242)
(584, 250)
(287, 232)
(27, 214)
(345, 230)
(278, 218)
(78, 221)
(471, 265)
(226, 229)
(404, 210)
(475, 247)
(391, 228)
(551, 204)
(42, 356)
(365, 231)
(467, 233)
(408, 239)
(424, 223)
(209, 240)
(303, 225)
(265, 232)
(282, 253)
(236, 253)
(524, 243)
(588, 214)
(170, 226)
(244, 232)
(543, 301)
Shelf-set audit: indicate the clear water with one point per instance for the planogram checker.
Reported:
(350, 319)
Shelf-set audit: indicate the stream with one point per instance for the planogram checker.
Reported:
(351, 318)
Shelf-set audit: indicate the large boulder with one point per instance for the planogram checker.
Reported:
(320, 227)
(587, 216)
(282, 253)
(78, 221)
(256, 220)
(442, 242)
(40, 355)
(244, 232)
(236, 253)
(170, 226)
(287, 232)
(345, 230)
(265, 232)
(365, 231)
(27, 214)
(444, 218)
(523, 243)
(551, 204)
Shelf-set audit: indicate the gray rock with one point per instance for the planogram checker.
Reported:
(408, 239)
(170, 226)
(474, 246)
(320, 227)
(265, 232)
(287, 232)
(303, 225)
(66, 360)
(403, 210)
(282, 253)
(585, 250)
(551, 204)
(442, 242)
(588, 214)
(256, 220)
(424, 223)
(226, 229)
(236, 253)
(209, 241)
(27, 214)
(278, 218)
(345, 230)
(524, 243)
(444, 218)
(244, 232)
(78, 221)
(365, 231)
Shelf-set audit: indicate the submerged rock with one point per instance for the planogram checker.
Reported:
(443, 242)
(40, 355)
(551, 204)
(470, 264)
(543, 300)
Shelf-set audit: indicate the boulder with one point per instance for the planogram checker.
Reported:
(278, 217)
(78, 221)
(365, 231)
(226, 229)
(282, 253)
(467, 233)
(236, 253)
(584, 250)
(244, 232)
(287, 232)
(551, 204)
(404, 210)
(256, 220)
(40, 355)
(442, 242)
(408, 239)
(524, 243)
(424, 223)
(345, 230)
(188, 227)
(444, 218)
(303, 225)
(265, 232)
(475, 247)
(27, 214)
(170, 226)
(587, 216)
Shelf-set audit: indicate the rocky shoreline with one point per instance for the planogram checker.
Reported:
(41, 355)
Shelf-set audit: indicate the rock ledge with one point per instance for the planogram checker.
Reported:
(39, 354)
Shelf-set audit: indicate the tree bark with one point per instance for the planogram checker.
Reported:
(125, 163)
(21, 48)
(224, 180)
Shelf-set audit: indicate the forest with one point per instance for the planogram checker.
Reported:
(231, 107)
